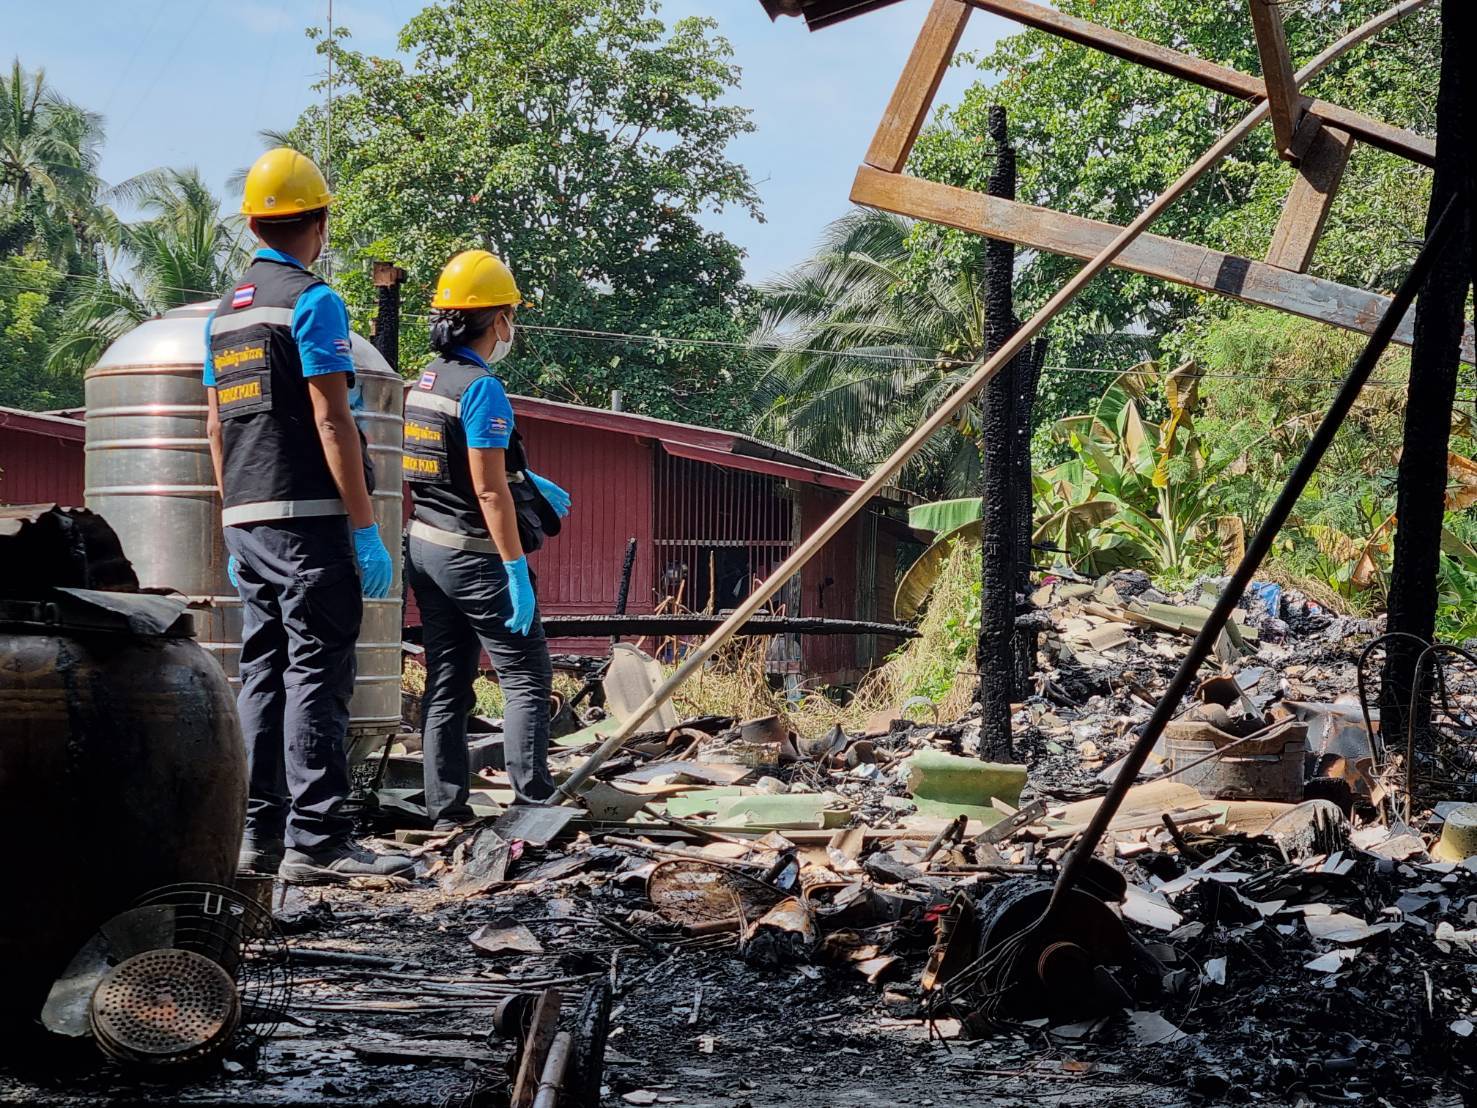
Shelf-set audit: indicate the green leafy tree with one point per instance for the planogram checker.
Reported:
(51, 222)
(49, 150)
(860, 351)
(1099, 137)
(182, 252)
(580, 140)
(31, 291)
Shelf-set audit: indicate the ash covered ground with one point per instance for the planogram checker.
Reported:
(1271, 952)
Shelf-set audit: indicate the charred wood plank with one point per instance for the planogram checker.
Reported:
(696, 623)
(1184, 263)
(1311, 198)
(1420, 502)
(994, 648)
(1277, 74)
(1208, 74)
(918, 85)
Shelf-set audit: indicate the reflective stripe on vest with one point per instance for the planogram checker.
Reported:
(281, 509)
(251, 317)
(453, 539)
(433, 403)
(272, 461)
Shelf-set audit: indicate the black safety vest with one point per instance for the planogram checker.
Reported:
(272, 460)
(438, 470)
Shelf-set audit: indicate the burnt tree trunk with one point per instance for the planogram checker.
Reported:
(1028, 376)
(386, 335)
(1421, 491)
(995, 650)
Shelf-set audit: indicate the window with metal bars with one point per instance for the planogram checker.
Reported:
(716, 531)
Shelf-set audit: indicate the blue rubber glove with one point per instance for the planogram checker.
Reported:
(520, 591)
(375, 570)
(233, 563)
(558, 499)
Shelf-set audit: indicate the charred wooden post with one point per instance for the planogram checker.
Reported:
(1420, 504)
(1028, 377)
(995, 649)
(387, 281)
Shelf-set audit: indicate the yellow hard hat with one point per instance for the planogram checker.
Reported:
(284, 182)
(476, 279)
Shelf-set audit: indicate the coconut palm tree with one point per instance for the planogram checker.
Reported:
(857, 345)
(49, 150)
(183, 251)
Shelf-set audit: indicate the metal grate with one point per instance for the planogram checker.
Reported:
(241, 937)
(715, 532)
(166, 1005)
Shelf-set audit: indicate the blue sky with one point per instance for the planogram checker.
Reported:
(191, 82)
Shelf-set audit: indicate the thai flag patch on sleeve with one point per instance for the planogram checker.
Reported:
(497, 423)
(243, 296)
(343, 346)
(428, 379)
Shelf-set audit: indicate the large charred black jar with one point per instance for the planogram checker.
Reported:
(121, 769)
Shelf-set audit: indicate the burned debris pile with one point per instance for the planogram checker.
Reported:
(1264, 921)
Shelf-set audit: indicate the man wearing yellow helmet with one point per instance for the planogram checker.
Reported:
(295, 484)
(478, 512)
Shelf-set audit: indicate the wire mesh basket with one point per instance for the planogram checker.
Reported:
(240, 936)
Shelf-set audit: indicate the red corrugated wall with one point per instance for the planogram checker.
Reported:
(39, 469)
(861, 588)
(608, 476)
(830, 657)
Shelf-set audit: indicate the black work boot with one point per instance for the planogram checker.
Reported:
(341, 863)
(262, 858)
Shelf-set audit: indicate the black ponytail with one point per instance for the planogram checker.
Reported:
(453, 327)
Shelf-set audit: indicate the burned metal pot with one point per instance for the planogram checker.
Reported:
(1077, 964)
(121, 769)
(1225, 765)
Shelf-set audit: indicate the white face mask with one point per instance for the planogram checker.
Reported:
(502, 346)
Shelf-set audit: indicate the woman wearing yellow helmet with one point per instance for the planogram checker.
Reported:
(478, 512)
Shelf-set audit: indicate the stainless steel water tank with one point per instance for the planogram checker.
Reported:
(149, 473)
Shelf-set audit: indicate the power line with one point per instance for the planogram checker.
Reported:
(596, 335)
(328, 133)
(148, 34)
(167, 63)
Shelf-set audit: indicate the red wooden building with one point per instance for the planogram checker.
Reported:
(711, 511)
(40, 457)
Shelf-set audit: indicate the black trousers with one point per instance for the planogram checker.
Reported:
(463, 599)
(302, 605)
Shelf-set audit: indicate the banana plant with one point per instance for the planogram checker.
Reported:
(1154, 485)
(1071, 519)
(951, 522)
(1130, 497)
